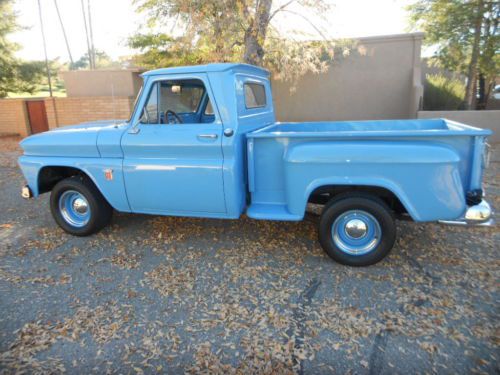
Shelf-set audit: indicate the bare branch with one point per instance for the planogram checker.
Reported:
(318, 30)
(281, 8)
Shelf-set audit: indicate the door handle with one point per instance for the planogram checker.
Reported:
(207, 136)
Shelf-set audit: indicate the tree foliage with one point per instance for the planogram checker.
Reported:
(102, 61)
(465, 34)
(443, 93)
(15, 75)
(201, 31)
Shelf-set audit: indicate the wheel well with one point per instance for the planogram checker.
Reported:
(49, 176)
(323, 194)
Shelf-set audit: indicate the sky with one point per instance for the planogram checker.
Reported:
(114, 20)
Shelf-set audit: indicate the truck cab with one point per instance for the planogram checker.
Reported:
(203, 141)
(188, 129)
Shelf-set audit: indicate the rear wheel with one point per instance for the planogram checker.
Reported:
(78, 206)
(357, 230)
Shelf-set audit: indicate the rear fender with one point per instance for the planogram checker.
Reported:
(423, 176)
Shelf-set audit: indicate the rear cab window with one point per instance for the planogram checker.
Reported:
(255, 95)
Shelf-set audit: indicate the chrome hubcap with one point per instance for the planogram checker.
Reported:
(74, 208)
(356, 232)
(80, 205)
(356, 228)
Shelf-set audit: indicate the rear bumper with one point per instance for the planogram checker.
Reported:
(479, 214)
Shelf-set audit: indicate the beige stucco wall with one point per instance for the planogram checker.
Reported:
(80, 83)
(381, 79)
(481, 119)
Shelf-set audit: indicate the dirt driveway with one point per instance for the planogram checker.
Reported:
(154, 294)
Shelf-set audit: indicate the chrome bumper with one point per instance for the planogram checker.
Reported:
(26, 192)
(480, 214)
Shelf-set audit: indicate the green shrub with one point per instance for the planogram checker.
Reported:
(442, 93)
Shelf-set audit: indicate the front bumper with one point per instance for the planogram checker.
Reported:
(479, 214)
(26, 192)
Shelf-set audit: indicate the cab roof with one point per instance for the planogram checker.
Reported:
(218, 67)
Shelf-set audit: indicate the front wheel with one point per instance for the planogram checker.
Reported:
(78, 206)
(357, 230)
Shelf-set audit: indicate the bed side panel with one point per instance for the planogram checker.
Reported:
(424, 176)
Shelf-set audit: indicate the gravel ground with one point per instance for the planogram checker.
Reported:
(156, 294)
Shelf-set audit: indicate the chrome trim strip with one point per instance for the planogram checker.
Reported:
(489, 223)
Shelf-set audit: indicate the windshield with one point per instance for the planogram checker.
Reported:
(135, 103)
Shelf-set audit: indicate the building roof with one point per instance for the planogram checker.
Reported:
(219, 67)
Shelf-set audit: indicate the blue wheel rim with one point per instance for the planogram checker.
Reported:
(356, 232)
(74, 208)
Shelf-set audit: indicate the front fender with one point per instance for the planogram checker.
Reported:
(113, 190)
(425, 177)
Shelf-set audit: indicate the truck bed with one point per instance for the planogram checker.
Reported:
(387, 128)
(428, 164)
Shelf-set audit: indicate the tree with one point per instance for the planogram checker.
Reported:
(15, 75)
(201, 31)
(465, 34)
(101, 61)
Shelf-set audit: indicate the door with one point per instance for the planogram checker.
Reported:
(173, 156)
(37, 116)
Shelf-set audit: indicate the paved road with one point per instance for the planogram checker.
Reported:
(153, 294)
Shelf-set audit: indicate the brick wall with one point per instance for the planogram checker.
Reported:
(63, 111)
(13, 117)
(67, 111)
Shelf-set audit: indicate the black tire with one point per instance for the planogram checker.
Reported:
(376, 209)
(100, 210)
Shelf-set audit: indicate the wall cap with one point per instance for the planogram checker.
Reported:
(390, 38)
(135, 70)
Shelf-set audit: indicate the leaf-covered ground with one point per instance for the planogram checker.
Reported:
(175, 295)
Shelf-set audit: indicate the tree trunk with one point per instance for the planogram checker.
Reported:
(481, 102)
(255, 34)
(490, 84)
(219, 43)
(470, 89)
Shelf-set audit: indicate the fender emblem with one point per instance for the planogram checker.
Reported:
(108, 174)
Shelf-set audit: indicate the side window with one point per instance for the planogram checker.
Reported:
(181, 97)
(175, 102)
(209, 111)
(255, 95)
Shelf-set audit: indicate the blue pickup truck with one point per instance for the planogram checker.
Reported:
(203, 141)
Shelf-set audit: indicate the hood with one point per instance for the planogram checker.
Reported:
(74, 140)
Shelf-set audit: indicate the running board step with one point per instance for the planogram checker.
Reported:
(262, 211)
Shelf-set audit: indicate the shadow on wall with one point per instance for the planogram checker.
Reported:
(380, 79)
